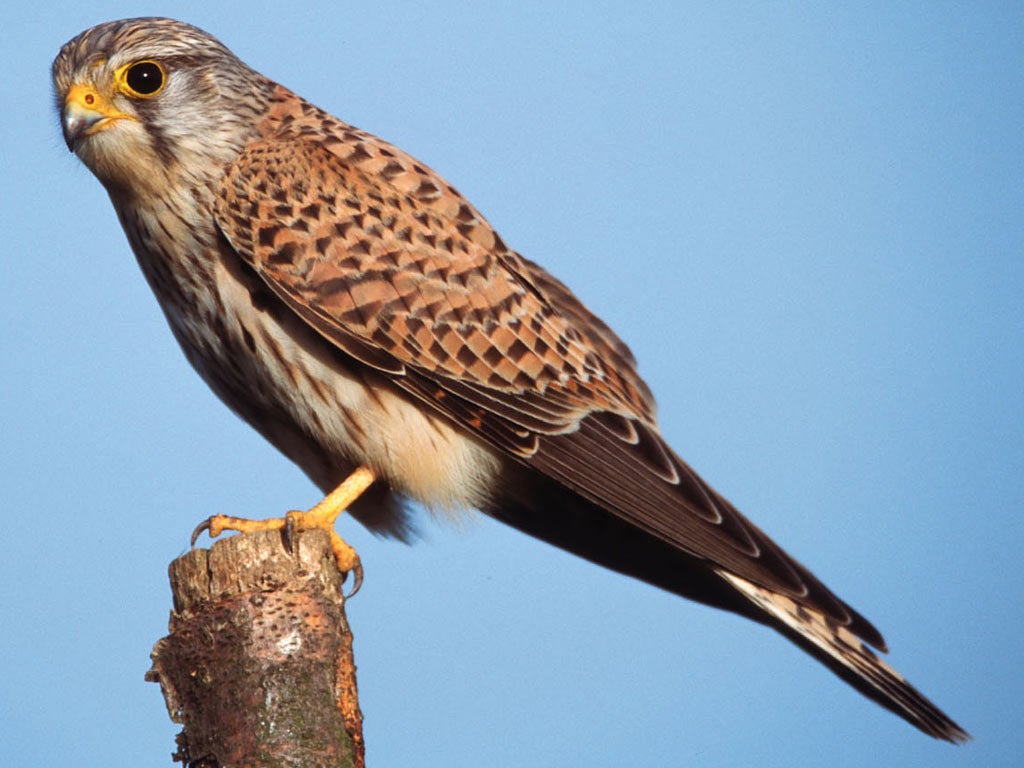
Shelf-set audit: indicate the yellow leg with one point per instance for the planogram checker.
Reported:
(321, 516)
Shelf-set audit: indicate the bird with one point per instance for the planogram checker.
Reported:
(356, 310)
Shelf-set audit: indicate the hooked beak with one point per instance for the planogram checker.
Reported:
(87, 112)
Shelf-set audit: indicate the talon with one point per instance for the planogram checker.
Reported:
(321, 516)
(347, 560)
(203, 526)
(357, 579)
(291, 528)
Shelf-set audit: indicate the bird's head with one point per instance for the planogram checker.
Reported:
(142, 96)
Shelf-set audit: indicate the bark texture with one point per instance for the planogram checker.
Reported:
(258, 665)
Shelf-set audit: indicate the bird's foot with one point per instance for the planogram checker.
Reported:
(321, 516)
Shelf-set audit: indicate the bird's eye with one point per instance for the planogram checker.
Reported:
(143, 78)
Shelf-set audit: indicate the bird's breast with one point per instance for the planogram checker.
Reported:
(321, 408)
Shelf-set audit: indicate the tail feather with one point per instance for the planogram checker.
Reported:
(844, 653)
(606, 539)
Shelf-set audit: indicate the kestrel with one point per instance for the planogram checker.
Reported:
(356, 310)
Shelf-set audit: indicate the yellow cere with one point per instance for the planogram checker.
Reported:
(85, 101)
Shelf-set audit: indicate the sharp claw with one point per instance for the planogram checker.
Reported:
(290, 527)
(357, 579)
(289, 533)
(203, 526)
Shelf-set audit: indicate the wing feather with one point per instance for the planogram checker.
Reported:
(409, 279)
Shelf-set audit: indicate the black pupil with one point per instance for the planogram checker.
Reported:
(145, 78)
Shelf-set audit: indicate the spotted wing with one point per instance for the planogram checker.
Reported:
(404, 275)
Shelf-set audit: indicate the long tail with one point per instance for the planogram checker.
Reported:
(844, 653)
(569, 522)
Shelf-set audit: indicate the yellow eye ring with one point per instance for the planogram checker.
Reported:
(141, 79)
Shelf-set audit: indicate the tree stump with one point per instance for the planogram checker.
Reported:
(258, 665)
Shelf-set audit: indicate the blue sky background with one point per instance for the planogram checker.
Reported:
(807, 222)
